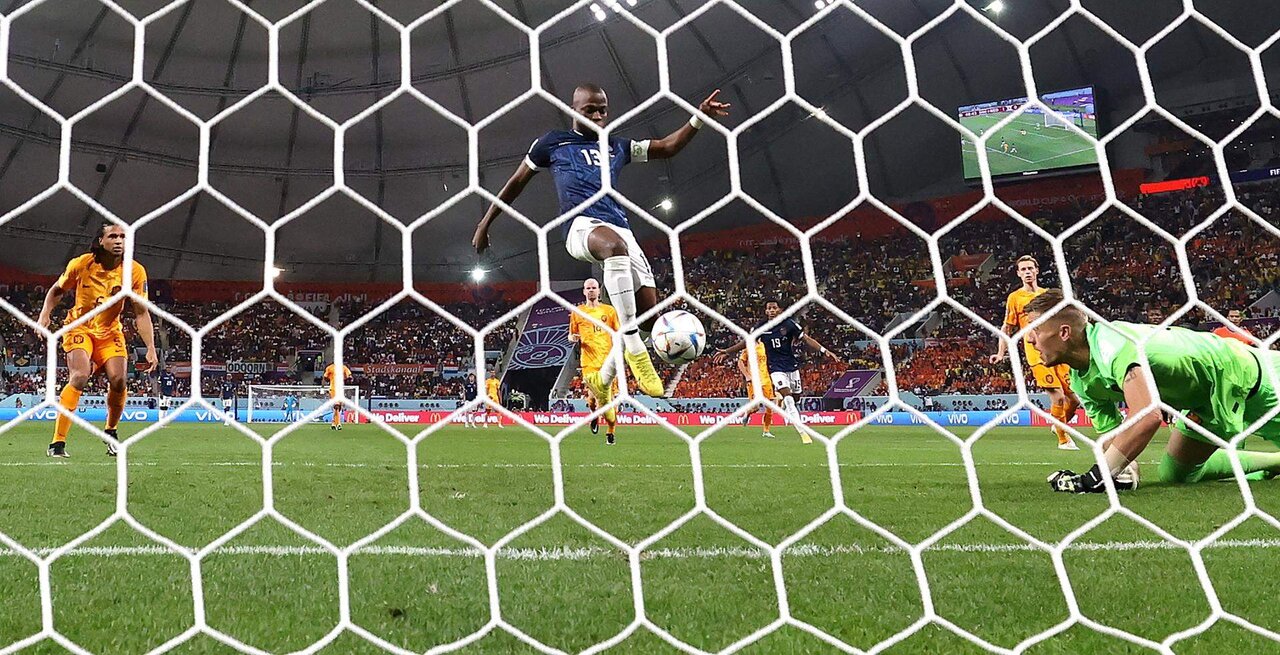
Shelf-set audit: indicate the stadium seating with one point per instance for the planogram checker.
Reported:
(1120, 269)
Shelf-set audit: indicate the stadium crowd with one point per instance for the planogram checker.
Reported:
(1119, 267)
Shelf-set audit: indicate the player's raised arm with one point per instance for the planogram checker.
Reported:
(670, 145)
(721, 354)
(813, 345)
(508, 194)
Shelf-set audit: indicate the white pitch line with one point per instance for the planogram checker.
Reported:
(556, 554)
(1065, 154)
(999, 152)
(603, 465)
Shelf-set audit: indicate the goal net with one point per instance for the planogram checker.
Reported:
(1062, 119)
(775, 598)
(289, 403)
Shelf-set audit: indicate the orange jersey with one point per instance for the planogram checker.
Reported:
(330, 372)
(492, 386)
(762, 360)
(93, 285)
(1227, 333)
(1015, 314)
(595, 341)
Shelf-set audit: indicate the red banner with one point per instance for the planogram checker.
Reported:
(553, 419)
(1175, 185)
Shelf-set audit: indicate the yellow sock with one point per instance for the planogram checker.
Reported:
(115, 407)
(768, 419)
(1059, 412)
(69, 400)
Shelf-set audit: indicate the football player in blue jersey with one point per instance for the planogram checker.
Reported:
(601, 234)
(168, 383)
(784, 366)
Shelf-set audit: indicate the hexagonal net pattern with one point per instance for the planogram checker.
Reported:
(196, 557)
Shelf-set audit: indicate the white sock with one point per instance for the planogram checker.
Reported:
(622, 294)
(793, 413)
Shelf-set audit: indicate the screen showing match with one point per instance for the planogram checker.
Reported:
(1036, 141)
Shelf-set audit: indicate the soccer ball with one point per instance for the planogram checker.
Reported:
(678, 337)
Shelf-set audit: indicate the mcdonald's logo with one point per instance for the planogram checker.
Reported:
(433, 417)
(682, 419)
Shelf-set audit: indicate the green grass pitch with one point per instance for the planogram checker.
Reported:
(1040, 148)
(418, 588)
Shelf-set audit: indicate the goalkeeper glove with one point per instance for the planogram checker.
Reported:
(1091, 482)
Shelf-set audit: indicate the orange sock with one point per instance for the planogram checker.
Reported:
(611, 426)
(768, 419)
(1059, 412)
(115, 407)
(69, 400)
(337, 415)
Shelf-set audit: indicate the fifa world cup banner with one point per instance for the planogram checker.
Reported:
(852, 383)
(545, 339)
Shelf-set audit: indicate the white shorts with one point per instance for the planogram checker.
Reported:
(576, 244)
(226, 403)
(789, 380)
(165, 402)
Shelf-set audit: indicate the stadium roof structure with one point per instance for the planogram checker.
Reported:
(134, 154)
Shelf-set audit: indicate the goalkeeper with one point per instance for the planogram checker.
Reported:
(1218, 383)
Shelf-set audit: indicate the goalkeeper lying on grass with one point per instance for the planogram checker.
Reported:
(1218, 383)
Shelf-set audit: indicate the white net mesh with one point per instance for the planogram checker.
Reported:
(635, 552)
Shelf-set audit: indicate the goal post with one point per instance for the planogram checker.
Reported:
(266, 402)
(1061, 119)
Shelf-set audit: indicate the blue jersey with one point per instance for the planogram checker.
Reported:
(469, 390)
(779, 346)
(168, 383)
(290, 403)
(575, 160)
(228, 390)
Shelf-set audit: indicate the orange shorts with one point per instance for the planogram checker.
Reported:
(1052, 377)
(100, 346)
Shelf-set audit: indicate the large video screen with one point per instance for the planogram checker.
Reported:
(1036, 141)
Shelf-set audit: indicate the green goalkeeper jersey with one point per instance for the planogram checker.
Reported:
(1195, 372)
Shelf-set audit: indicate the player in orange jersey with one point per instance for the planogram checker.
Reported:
(1054, 380)
(98, 344)
(1238, 332)
(596, 344)
(766, 390)
(331, 376)
(493, 389)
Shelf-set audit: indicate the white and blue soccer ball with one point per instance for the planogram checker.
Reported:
(678, 337)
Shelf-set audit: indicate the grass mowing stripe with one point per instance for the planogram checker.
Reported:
(706, 552)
